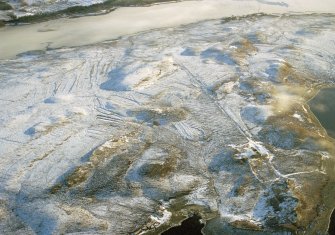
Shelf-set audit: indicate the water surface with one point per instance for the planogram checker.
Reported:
(323, 106)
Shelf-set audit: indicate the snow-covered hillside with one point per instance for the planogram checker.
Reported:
(138, 133)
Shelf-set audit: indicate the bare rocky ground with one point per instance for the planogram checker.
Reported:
(134, 135)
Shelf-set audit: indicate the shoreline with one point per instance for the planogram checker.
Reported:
(77, 12)
(72, 32)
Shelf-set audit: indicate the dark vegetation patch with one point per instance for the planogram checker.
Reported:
(331, 229)
(77, 11)
(5, 6)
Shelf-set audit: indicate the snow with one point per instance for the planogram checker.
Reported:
(130, 20)
(151, 123)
